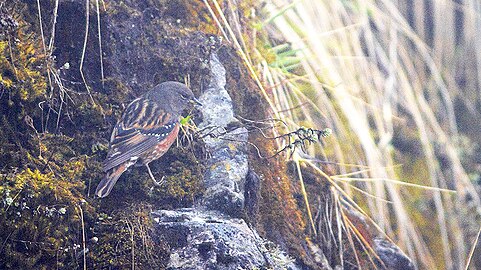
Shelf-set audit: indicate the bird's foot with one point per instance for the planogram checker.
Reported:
(158, 183)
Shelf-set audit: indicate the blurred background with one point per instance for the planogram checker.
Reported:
(399, 84)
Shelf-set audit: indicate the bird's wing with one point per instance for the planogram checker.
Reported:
(143, 126)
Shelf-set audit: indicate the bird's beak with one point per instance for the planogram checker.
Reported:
(195, 101)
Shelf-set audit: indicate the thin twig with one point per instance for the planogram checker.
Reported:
(83, 237)
(87, 15)
(52, 36)
(100, 43)
(43, 43)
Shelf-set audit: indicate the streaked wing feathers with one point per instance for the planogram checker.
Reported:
(141, 128)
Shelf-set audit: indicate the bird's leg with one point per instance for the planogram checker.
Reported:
(157, 183)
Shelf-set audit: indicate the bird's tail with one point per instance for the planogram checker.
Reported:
(106, 185)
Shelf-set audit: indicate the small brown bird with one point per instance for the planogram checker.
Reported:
(146, 131)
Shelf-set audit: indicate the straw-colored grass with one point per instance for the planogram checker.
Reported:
(386, 87)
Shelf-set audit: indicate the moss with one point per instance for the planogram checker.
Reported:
(182, 184)
(124, 239)
(53, 166)
(49, 168)
(182, 173)
(21, 63)
(203, 20)
(40, 214)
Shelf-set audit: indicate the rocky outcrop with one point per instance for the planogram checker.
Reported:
(202, 239)
(210, 236)
(227, 165)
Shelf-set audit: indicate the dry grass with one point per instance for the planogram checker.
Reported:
(381, 83)
(473, 248)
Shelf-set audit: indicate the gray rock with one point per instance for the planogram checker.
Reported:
(210, 236)
(227, 166)
(203, 239)
(391, 256)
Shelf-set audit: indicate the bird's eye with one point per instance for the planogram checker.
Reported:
(183, 96)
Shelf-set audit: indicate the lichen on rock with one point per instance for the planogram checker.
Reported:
(201, 239)
(227, 166)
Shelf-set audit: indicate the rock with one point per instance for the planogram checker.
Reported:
(142, 45)
(211, 236)
(203, 239)
(227, 167)
(391, 256)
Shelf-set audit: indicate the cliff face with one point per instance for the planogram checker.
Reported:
(68, 70)
(65, 81)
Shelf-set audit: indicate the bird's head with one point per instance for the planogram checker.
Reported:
(174, 96)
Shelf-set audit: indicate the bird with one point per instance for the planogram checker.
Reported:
(148, 127)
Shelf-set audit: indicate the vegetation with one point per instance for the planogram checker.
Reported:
(397, 107)
(395, 83)
(54, 136)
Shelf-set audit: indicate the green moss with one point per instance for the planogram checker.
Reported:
(125, 240)
(40, 214)
(182, 184)
(49, 168)
(21, 64)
